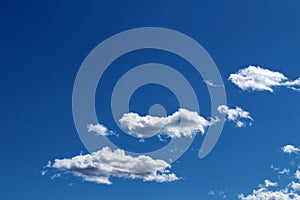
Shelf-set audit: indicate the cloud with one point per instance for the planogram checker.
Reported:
(99, 129)
(297, 175)
(99, 166)
(284, 171)
(290, 149)
(219, 194)
(183, 123)
(265, 194)
(287, 189)
(295, 186)
(237, 115)
(270, 183)
(260, 79)
(211, 83)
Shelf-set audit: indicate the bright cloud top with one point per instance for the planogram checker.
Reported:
(99, 129)
(181, 123)
(290, 149)
(237, 115)
(99, 166)
(260, 79)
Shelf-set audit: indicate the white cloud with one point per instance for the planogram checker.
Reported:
(295, 186)
(218, 194)
(270, 183)
(290, 149)
(99, 166)
(284, 171)
(265, 194)
(99, 129)
(237, 115)
(297, 174)
(181, 123)
(260, 79)
(288, 188)
(211, 83)
(294, 85)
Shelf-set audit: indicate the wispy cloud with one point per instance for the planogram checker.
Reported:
(99, 166)
(256, 78)
(236, 115)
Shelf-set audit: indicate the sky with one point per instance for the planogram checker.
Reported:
(254, 44)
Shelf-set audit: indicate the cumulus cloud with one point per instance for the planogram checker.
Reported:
(287, 188)
(99, 166)
(290, 149)
(295, 186)
(297, 175)
(99, 129)
(265, 194)
(237, 115)
(256, 78)
(183, 123)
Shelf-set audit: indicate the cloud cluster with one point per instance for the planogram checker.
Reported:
(275, 191)
(99, 166)
(237, 115)
(265, 194)
(260, 79)
(183, 123)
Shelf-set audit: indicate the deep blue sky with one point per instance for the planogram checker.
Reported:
(43, 44)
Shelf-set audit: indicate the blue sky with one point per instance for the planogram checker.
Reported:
(43, 45)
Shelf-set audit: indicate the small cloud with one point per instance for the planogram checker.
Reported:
(43, 172)
(290, 149)
(99, 129)
(284, 171)
(211, 83)
(256, 78)
(270, 183)
(236, 115)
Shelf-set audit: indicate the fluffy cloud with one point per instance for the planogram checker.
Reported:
(99, 129)
(297, 175)
(181, 123)
(265, 194)
(270, 183)
(290, 149)
(99, 166)
(260, 79)
(295, 186)
(275, 191)
(237, 115)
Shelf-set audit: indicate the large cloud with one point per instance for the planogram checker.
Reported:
(99, 166)
(181, 123)
(260, 79)
(236, 115)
